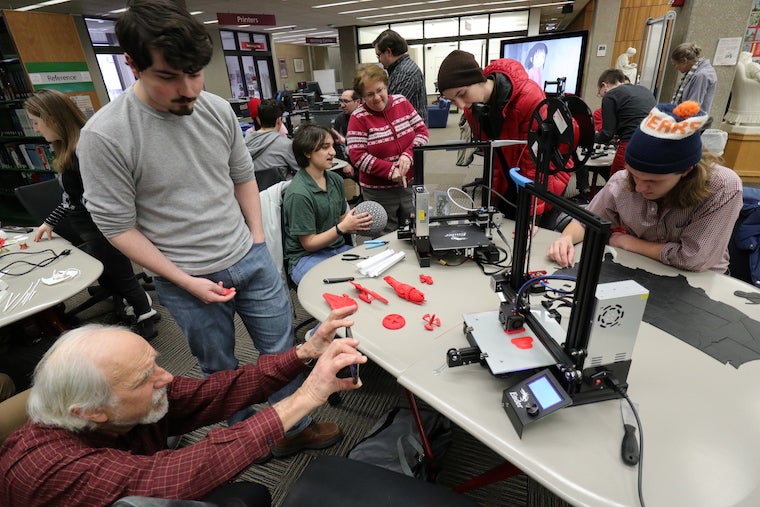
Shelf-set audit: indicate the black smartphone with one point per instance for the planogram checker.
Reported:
(351, 370)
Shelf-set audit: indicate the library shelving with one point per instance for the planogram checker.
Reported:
(37, 50)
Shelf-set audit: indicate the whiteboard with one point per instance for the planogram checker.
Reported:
(326, 80)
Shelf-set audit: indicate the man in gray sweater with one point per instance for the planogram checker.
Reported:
(175, 191)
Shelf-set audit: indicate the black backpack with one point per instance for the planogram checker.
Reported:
(394, 442)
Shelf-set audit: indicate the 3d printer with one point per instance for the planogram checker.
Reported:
(464, 233)
(549, 368)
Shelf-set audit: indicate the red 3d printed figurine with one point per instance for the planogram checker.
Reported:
(406, 291)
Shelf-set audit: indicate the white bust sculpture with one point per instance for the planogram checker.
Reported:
(745, 93)
(623, 63)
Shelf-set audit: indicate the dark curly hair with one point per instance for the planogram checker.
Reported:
(163, 26)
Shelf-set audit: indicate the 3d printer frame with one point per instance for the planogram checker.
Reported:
(418, 229)
(419, 161)
(549, 134)
(584, 385)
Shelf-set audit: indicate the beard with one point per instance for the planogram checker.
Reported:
(159, 407)
(182, 106)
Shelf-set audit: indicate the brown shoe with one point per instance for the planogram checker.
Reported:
(317, 435)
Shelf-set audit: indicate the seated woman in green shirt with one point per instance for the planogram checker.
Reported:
(316, 212)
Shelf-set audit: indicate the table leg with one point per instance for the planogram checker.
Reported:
(592, 190)
(496, 474)
(430, 457)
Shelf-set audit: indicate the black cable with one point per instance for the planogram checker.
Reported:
(612, 382)
(44, 262)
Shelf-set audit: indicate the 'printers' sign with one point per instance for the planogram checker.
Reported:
(228, 18)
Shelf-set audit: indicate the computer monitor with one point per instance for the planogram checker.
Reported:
(240, 107)
(313, 86)
(550, 56)
(302, 85)
(286, 98)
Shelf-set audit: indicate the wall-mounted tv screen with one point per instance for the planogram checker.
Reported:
(551, 56)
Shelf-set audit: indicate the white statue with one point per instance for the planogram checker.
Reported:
(745, 93)
(623, 63)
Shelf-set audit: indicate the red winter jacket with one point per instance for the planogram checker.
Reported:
(526, 95)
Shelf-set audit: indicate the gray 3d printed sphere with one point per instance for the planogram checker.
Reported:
(379, 216)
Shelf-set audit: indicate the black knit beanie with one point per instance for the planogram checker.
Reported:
(459, 69)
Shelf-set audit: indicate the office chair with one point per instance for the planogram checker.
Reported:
(744, 255)
(39, 200)
(273, 220)
(274, 228)
(323, 482)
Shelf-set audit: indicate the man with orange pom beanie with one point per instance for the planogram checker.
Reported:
(673, 202)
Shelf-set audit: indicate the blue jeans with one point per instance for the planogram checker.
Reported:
(263, 304)
(307, 262)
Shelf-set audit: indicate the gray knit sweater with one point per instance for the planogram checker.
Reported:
(170, 177)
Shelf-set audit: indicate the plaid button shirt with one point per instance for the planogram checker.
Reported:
(694, 239)
(43, 465)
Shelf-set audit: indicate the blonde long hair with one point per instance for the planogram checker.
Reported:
(60, 113)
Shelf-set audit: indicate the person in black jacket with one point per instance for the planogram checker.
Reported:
(56, 118)
(623, 108)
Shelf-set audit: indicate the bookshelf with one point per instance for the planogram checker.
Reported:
(37, 50)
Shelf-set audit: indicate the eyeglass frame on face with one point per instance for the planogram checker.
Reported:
(372, 95)
(601, 88)
(347, 101)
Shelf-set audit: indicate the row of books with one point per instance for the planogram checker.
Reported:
(15, 122)
(15, 84)
(29, 155)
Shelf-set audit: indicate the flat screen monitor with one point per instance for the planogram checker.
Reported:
(313, 86)
(302, 85)
(240, 107)
(551, 56)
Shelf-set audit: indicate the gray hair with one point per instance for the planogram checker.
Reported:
(688, 51)
(68, 377)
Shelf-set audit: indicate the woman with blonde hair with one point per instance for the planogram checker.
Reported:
(56, 118)
(381, 134)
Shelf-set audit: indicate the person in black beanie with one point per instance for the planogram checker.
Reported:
(673, 203)
(498, 103)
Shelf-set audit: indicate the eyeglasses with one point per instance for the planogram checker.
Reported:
(346, 101)
(379, 91)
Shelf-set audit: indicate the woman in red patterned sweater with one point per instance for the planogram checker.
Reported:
(381, 134)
